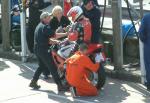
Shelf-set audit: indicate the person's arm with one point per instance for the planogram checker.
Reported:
(53, 41)
(60, 35)
(142, 30)
(50, 33)
(87, 63)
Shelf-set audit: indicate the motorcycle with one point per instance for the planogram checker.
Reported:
(70, 45)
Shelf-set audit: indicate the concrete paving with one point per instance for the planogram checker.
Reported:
(15, 77)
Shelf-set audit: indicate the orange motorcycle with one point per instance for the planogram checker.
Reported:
(78, 33)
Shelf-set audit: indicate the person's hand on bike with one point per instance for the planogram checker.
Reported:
(53, 41)
(97, 58)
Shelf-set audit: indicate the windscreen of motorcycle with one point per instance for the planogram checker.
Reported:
(65, 50)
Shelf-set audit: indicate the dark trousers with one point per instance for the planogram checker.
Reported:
(46, 72)
(45, 61)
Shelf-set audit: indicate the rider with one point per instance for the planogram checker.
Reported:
(83, 29)
(77, 72)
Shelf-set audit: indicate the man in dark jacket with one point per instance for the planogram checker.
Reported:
(91, 11)
(35, 7)
(44, 35)
(144, 34)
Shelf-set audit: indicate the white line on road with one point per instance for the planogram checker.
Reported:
(28, 68)
(24, 96)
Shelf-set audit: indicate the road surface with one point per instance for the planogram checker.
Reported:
(15, 78)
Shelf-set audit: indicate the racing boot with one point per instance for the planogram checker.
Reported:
(34, 85)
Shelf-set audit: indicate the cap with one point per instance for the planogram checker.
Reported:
(45, 15)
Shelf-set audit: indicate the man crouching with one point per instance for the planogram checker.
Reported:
(77, 72)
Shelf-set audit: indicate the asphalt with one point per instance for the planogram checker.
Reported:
(15, 77)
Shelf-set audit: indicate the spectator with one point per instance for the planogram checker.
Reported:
(58, 20)
(144, 34)
(94, 14)
(15, 15)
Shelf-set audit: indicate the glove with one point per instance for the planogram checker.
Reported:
(97, 58)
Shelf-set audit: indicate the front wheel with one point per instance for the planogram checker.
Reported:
(98, 79)
(101, 77)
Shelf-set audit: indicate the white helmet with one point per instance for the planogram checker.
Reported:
(75, 12)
